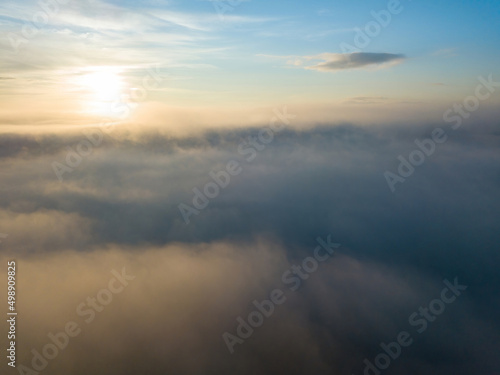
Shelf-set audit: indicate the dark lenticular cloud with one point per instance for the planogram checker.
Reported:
(355, 60)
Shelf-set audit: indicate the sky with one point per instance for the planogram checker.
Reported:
(250, 187)
(239, 57)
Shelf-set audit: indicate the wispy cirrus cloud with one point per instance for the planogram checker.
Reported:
(445, 52)
(368, 100)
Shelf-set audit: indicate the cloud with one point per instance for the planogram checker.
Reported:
(119, 208)
(171, 316)
(355, 60)
(446, 52)
(327, 62)
(368, 100)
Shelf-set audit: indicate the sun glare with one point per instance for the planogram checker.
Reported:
(102, 90)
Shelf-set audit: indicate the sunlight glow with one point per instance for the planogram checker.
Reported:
(103, 88)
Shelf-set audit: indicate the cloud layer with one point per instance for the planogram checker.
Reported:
(119, 208)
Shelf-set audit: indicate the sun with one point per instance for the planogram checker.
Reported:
(105, 85)
(101, 89)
